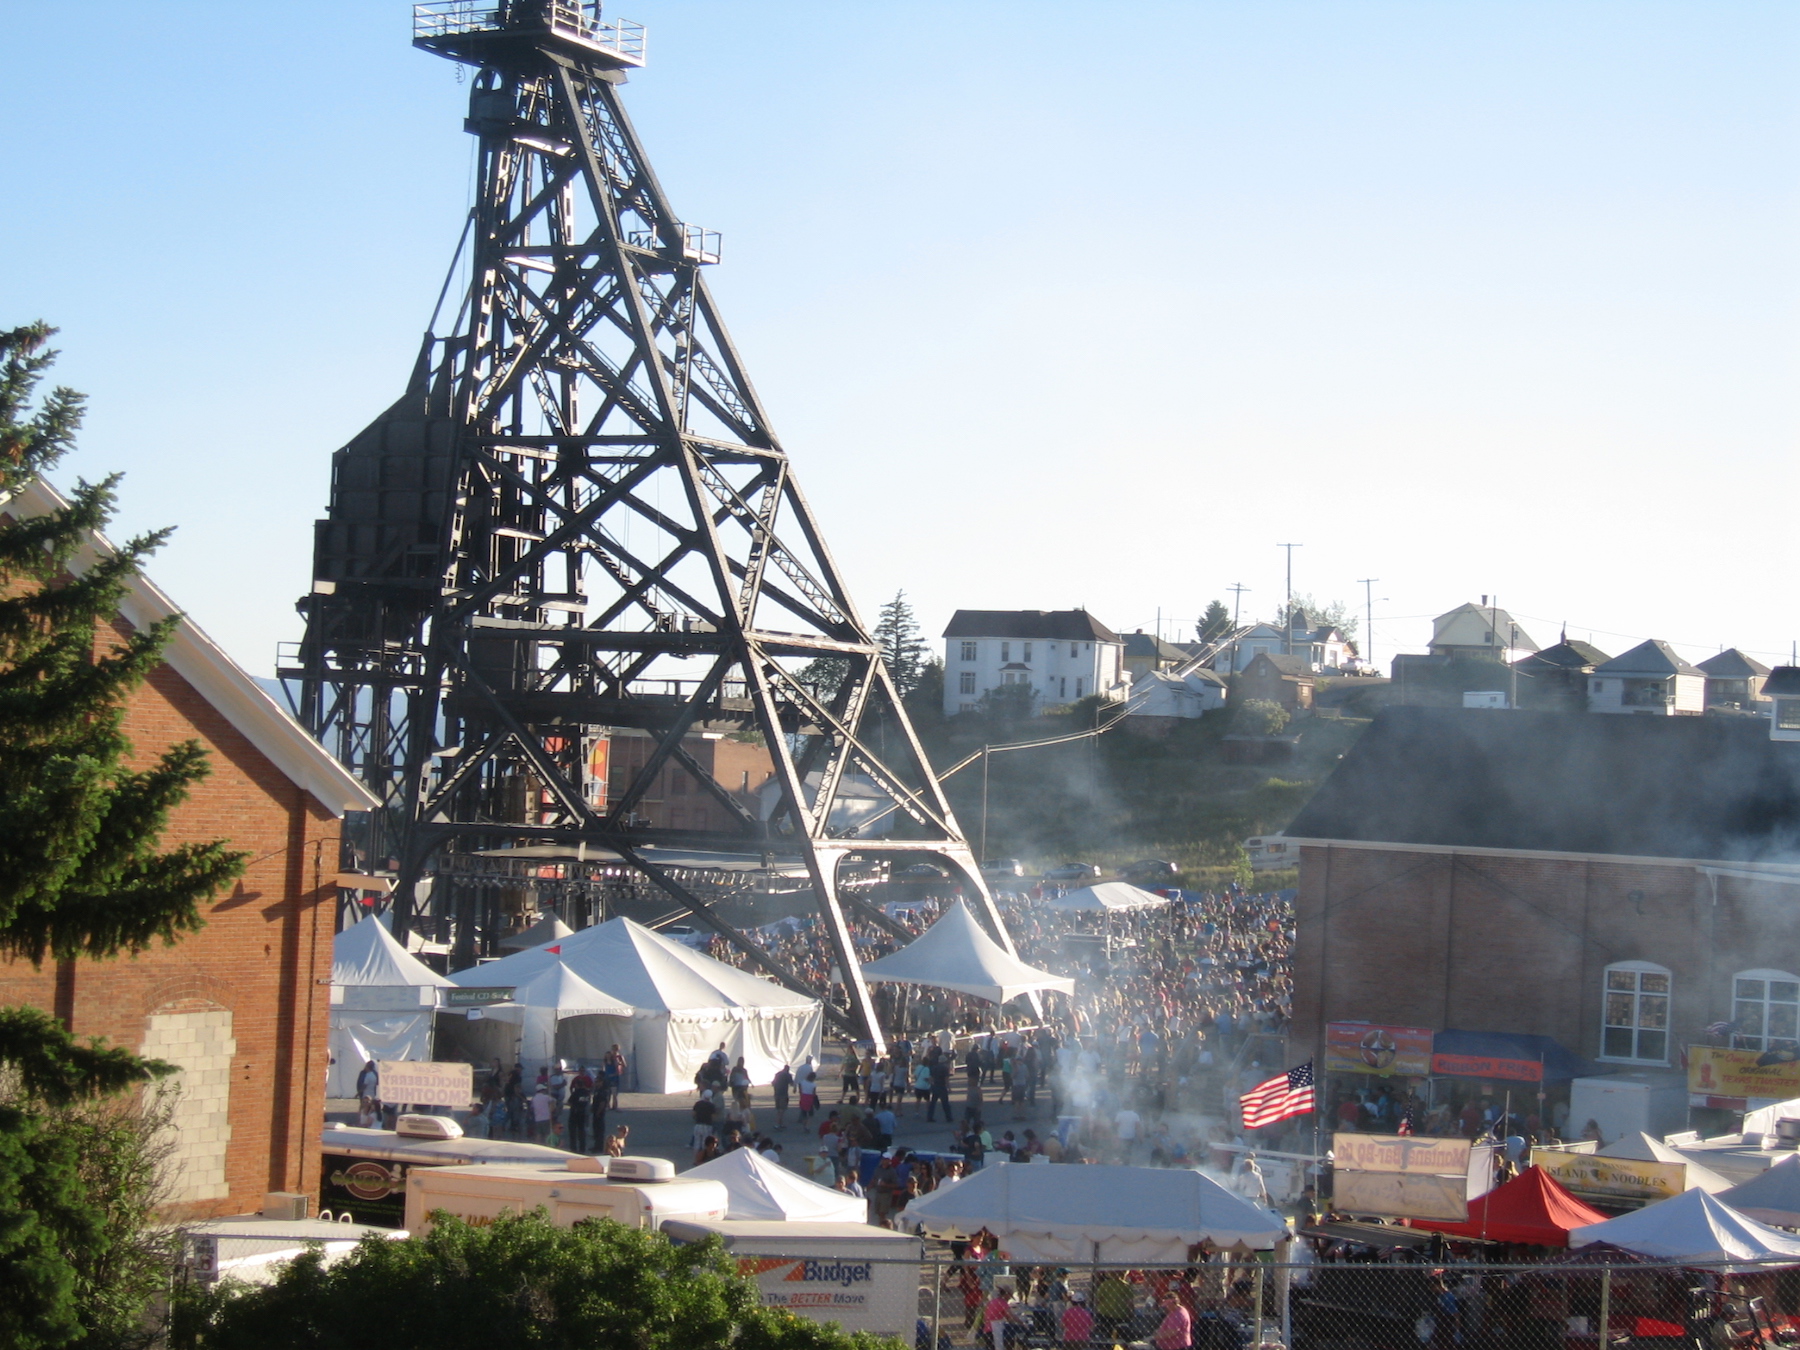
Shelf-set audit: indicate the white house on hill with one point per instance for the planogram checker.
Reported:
(1650, 678)
(1063, 654)
(1480, 630)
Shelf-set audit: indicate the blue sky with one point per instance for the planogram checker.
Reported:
(1052, 304)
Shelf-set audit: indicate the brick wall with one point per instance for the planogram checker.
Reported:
(264, 955)
(1506, 942)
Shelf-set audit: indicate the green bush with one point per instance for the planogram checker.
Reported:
(518, 1282)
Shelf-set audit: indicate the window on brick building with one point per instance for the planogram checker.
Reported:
(1636, 1013)
(1765, 1010)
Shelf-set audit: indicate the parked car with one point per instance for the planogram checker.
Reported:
(922, 872)
(1003, 867)
(1075, 871)
(1149, 869)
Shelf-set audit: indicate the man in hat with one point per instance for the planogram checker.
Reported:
(1077, 1321)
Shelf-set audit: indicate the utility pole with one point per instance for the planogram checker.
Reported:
(1237, 589)
(1287, 614)
(1368, 585)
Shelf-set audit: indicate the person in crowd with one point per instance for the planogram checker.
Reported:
(782, 1085)
(739, 1082)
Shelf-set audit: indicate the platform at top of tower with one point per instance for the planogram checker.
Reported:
(485, 32)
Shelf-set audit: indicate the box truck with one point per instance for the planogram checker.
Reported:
(638, 1192)
(860, 1276)
(363, 1172)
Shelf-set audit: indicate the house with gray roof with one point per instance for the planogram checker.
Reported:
(1063, 655)
(1733, 680)
(1650, 678)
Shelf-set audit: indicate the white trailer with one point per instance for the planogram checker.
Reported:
(1629, 1103)
(640, 1192)
(860, 1276)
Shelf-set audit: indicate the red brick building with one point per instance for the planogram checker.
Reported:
(243, 1005)
(1614, 885)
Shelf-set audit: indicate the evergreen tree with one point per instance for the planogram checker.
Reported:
(81, 874)
(1213, 624)
(902, 645)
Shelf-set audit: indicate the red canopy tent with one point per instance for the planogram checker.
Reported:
(1531, 1208)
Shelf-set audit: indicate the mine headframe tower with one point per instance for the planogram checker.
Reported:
(578, 519)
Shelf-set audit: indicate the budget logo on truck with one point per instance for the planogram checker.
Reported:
(845, 1273)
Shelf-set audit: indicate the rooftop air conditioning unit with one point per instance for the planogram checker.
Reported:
(640, 1169)
(427, 1127)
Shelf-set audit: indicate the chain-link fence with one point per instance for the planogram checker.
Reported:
(1582, 1301)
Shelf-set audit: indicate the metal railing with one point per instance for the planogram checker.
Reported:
(442, 19)
(697, 244)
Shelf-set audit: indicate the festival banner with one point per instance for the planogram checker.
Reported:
(1714, 1072)
(1590, 1175)
(414, 1083)
(1401, 1195)
(1400, 1153)
(1364, 1047)
(1486, 1066)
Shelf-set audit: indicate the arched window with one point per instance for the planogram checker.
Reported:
(1765, 1010)
(1636, 1013)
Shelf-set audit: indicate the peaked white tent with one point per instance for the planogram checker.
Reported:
(382, 1002)
(1773, 1197)
(957, 953)
(683, 1003)
(761, 1188)
(1692, 1226)
(1641, 1147)
(554, 1013)
(1106, 896)
(1062, 1215)
(547, 929)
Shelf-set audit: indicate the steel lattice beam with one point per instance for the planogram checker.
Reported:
(578, 518)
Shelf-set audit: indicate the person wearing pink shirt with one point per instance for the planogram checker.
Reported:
(1077, 1320)
(1177, 1329)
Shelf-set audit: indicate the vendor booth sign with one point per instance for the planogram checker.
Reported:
(1714, 1072)
(413, 1083)
(1487, 1066)
(1363, 1047)
(1616, 1179)
(1400, 1153)
(1402, 1195)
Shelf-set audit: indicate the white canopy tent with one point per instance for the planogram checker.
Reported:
(1640, 1147)
(553, 1014)
(957, 953)
(382, 1002)
(1106, 897)
(761, 1188)
(1773, 1197)
(683, 1003)
(547, 929)
(1062, 1215)
(1692, 1226)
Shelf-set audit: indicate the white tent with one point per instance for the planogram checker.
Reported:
(1106, 896)
(761, 1188)
(1692, 1226)
(957, 953)
(547, 929)
(683, 1003)
(1062, 1215)
(1773, 1197)
(382, 1003)
(553, 1014)
(1640, 1147)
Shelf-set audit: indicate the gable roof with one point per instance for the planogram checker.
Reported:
(1469, 624)
(1731, 664)
(1074, 625)
(1695, 788)
(1652, 658)
(1569, 654)
(1292, 666)
(218, 679)
(1148, 644)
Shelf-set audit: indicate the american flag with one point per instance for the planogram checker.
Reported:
(1288, 1094)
